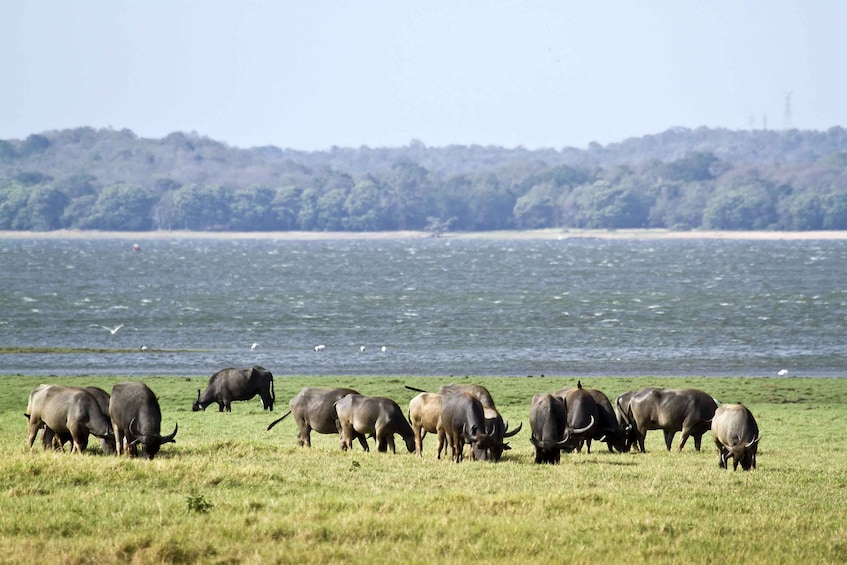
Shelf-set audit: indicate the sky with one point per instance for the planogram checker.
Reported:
(312, 75)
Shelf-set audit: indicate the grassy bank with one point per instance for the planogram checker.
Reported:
(229, 491)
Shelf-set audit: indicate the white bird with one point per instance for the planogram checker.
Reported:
(143, 348)
(320, 347)
(114, 330)
(254, 346)
(782, 372)
(383, 349)
(361, 349)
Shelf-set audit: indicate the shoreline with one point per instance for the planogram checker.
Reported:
(544, 234)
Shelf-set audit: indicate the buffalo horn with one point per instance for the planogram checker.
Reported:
(586, 428)
(513, 432)
(170, 438)
(755, 440)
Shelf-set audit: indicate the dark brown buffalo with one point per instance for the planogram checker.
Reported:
(228, 385)
(314, 409)
(65, 411)
(624, 421)
(672, 410)
(736, 435)
(583, 416)
(463, 421)
(380, 417)
(136, 417)
(548, 424)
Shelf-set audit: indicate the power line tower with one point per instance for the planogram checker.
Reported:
(787, 119)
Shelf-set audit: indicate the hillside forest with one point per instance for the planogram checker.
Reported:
(681, 179)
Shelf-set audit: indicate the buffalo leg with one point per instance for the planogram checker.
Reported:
(669, 438)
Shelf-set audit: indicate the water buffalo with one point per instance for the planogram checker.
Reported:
(583, 416)
(314, 409)
(736, 435)
(377, 416)
(548, 424)
(622, 413)
(237, 384)
(425, 416)
(136, 417)
(672, 410)
(496, 428)
(107, 443)
(65, 411)
(463, 420)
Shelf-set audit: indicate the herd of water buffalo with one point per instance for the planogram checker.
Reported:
(458, 414)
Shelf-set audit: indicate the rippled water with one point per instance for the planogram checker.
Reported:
(439, 306)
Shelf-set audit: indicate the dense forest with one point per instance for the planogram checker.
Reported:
(680, 179)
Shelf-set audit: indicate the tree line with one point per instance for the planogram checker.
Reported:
(680, 179)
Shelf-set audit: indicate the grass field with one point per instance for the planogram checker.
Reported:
(228, 491)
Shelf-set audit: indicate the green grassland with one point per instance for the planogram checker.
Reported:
(228, 491)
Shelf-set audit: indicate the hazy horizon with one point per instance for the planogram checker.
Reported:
(312, 76)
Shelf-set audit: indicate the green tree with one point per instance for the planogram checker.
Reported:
(538, 208)
(748, 207)
(45, 207)
(330, 210)
(201, 207)
(122, 207)
(252, 210)
(286, 207)
(14, 198)
(361, 207)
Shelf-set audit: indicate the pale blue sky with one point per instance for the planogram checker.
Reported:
(310, 75)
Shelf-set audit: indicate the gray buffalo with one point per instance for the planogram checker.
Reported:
(136, 417)
(376, 416)
(425, 417)
(314, 409)
(672, 410)
(736, 435)
(65, 411)
(496, 428)
(463, 420)
(548, 424)
(107, 444)
(237, 384)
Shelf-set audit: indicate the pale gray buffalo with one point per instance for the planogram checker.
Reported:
(736, 435)
(496, 428)
(314, 409)
(425, 417)
(107, 444)
(376, 416)
(136, 417)
(62, 410)
(672, 410)
(228, 385)
(463, 420)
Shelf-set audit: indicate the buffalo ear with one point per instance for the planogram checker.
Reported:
(532, 440)
(506, 446)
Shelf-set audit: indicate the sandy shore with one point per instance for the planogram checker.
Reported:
(490, 235)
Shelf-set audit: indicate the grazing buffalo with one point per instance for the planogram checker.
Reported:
(380, 417)
(624, 422)
(736, 435)
(608, 430)
(107, 444)
(425, 417)
(583, 416)
(496, 428)
(548, 423)
(314, 409)
(65, 411)
(687, 410)
(463, 420)
(136, 417)
(237, 384)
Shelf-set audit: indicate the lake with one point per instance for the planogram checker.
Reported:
(576, 306)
